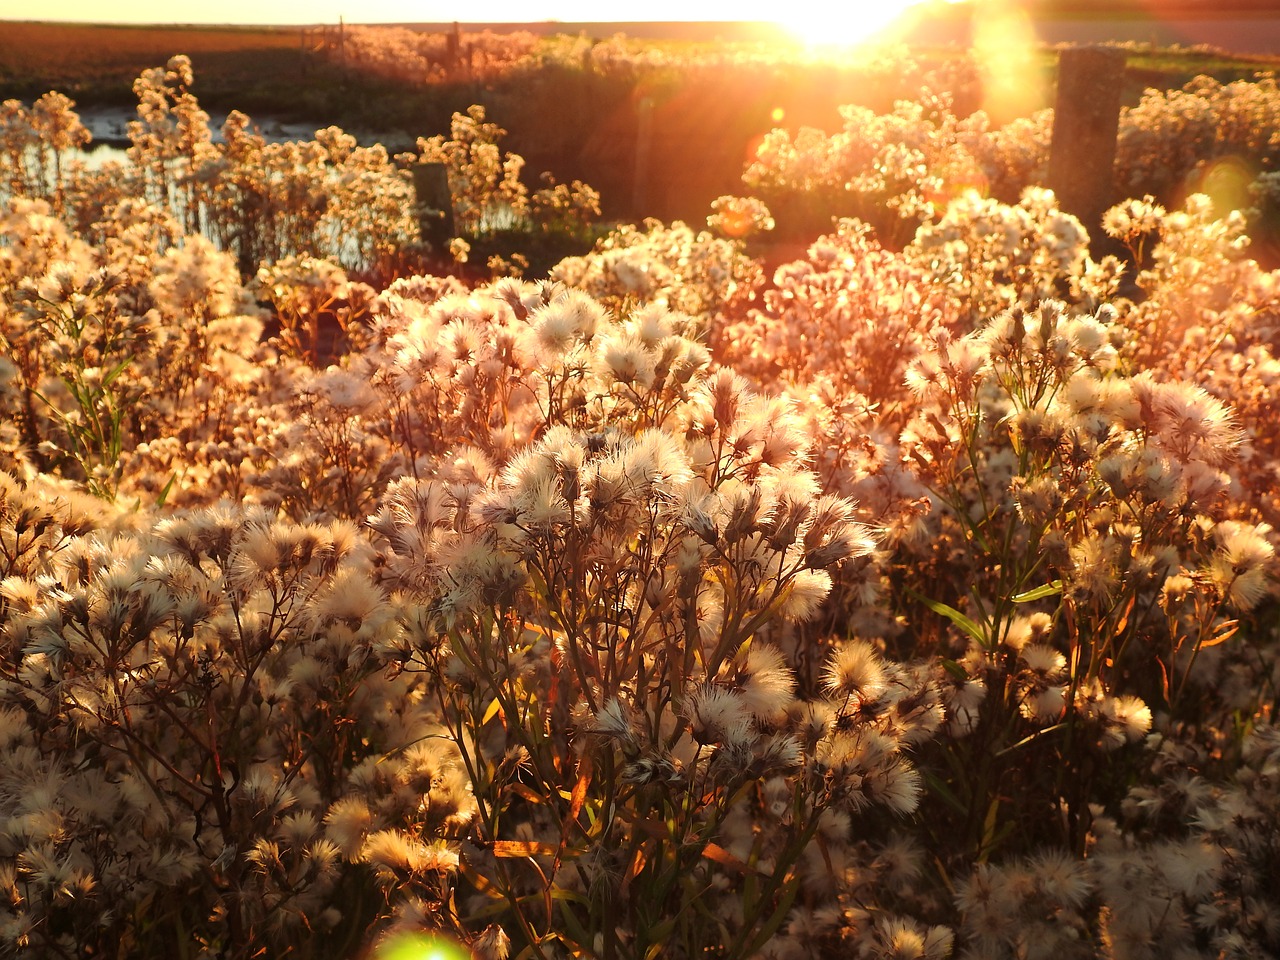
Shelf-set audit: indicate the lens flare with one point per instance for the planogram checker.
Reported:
(849, 24)
(1005, 44)
(1226, 182)
(421, 946)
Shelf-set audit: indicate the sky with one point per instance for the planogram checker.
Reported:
(816, 21)
(381, 11)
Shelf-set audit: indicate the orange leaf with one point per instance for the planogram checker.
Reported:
(1124, 617)
(526, 792)
(1226, 633)
(633, 871)
(580, 788)
(576, 800)
(511, 849)
(713, 851)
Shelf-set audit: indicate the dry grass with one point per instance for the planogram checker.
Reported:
(103, 60)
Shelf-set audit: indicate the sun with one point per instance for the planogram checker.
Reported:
(849, 24)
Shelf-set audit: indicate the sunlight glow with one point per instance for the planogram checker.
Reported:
(1005, 44)
(421, 946)
(854, 23)
(810, 22)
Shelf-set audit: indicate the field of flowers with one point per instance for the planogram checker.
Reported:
(916, 599)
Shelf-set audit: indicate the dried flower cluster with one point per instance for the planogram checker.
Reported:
(899, 169)
(263, 202)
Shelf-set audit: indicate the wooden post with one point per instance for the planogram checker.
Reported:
(434, 204)
(453, 48)
(644, 147)
(1086, 120)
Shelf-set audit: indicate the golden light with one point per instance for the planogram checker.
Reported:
(853, 23)
(1226, 182)
(1005, 45)
(421, 946)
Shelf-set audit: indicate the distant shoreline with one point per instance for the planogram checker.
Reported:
(749, 30)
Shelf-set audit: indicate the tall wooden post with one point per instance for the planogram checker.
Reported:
(644, 148)
(434, 206)
(1086, 120)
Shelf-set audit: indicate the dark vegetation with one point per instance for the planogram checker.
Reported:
(563, 118)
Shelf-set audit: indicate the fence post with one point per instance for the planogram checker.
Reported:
(1086, 121)
(434, 204)
(644, 147)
